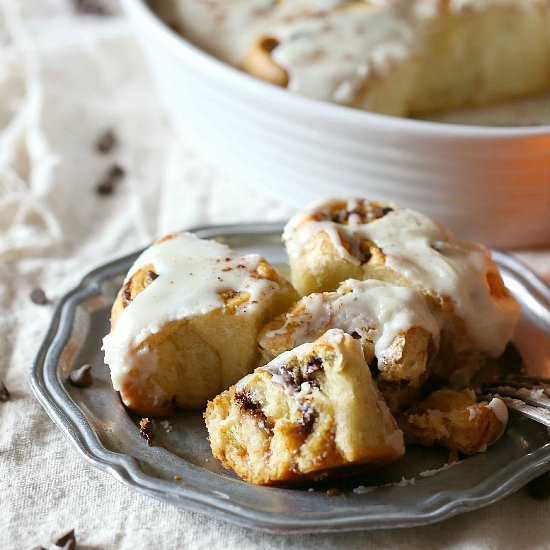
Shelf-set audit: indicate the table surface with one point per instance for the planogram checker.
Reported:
(66, 78)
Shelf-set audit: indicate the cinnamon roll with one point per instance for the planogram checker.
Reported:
(311, 411)
(184, 324)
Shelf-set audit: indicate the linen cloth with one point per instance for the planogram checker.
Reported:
(65, 78)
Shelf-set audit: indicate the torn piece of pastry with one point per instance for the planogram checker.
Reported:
(398, 332)
(309, 411)
(405, 58)
(185, 323)
(453, 419)
(336, 239)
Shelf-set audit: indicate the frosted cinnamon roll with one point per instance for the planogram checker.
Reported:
(406, 58)
(394, 325)
(310, 411)
(453, 419)
(336, 239)
(185, 322)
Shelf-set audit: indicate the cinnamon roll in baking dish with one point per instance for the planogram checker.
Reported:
(399, 57)
(311, 410)
(184, 324)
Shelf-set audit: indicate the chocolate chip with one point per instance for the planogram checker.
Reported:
(106, 186)
(373, 367)
(386, 210)
(38, 297)
(313, 364)
(82, 377)
(309, 417)
(116, 172)
(4, 393)
(38, 548)
(67, 541)
(144, 431)
(106, 142)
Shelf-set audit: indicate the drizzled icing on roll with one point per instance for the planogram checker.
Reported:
(426, 254)
(330, 55)
(329, 48)
(375, 310)
(192, 277)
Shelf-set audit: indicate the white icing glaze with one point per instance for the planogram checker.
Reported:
(226, 29)
(458, 6)
(330, 55)
(192, 273)
(501, 412)
(431, 258)
(329, 48)
(375, 310)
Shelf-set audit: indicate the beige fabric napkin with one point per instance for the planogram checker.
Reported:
(65, 79)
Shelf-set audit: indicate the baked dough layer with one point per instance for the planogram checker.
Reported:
(308, 412)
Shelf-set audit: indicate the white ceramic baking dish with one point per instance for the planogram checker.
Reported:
(487, 184)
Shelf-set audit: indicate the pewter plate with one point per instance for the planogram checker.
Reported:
(105, 433)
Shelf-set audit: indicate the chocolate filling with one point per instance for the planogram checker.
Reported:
(314, 364)
(293, 377)
(309, 417)
(126, 294)
(373, 367)
(250, 406)
(392, 384)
